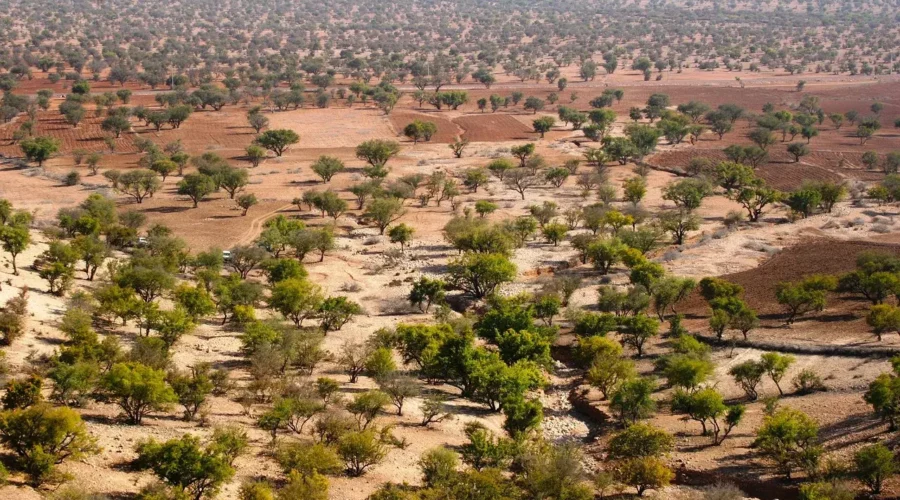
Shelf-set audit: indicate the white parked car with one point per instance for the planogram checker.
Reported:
(226, 255)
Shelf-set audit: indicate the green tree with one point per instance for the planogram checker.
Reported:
(277, 140)
(15, 240)
(804, 296)
(42, 437)
(335, 312)
(873, 465)
(543, 124)
(776, 366)
(632, 401)
(196, 187)
(426, 292)
(384, 211)
(480, 274)
(137, 389)
(297, 299)
(326, 167)
(402, 234)
(361, 450)
(139, 184)
(39, 149)
(790, 439)
(197, 470)
(377, 152)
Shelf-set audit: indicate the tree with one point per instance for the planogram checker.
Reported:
(521, 180)
(438, 466)
(255, 154)
(116, 124)
(458, 146)
(480, 274)
(644, 473)
(402, 234)
(15, 239)
(776, 366)
(883, 395)
(398, 387)
(313, 486)
(748, 374)
(640, 440)
(608, 371)
(233, 180)
(798, 150)
(39, 149)
(687, 194)
(137, 389)
(883, 318)
(198, 471)
(361, 450)
(805, 296)
(307, 458)
(543, 125)
(335, 312)
(246, 201)
(425, 292)
(277, 140)
(326, 166)
(297, 299)
(42, 437)
(377, 152)
(91, 250)
(790, 439)
(533, 104)
(632, 401)
(679, 222)
(873, 465)
(475, 177)
(196, 187)
(139, 184)
(707, 407)
(384, 211)
(164, 168)
(637, 329)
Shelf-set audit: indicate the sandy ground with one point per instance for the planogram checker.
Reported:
(383, 283)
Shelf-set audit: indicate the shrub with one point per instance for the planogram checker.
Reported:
(185, 464)
(73, 178)
(42, 437)
(807, 382)
(361, 450)
(307, 458)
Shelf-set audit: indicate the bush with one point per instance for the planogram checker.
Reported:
(42, 437)
(73, 178)
(438, 466)
(361, 450)
(137, 389)
(873, 465)
(790, 438)
(307, 458)
(807, 382)
(185, 464)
